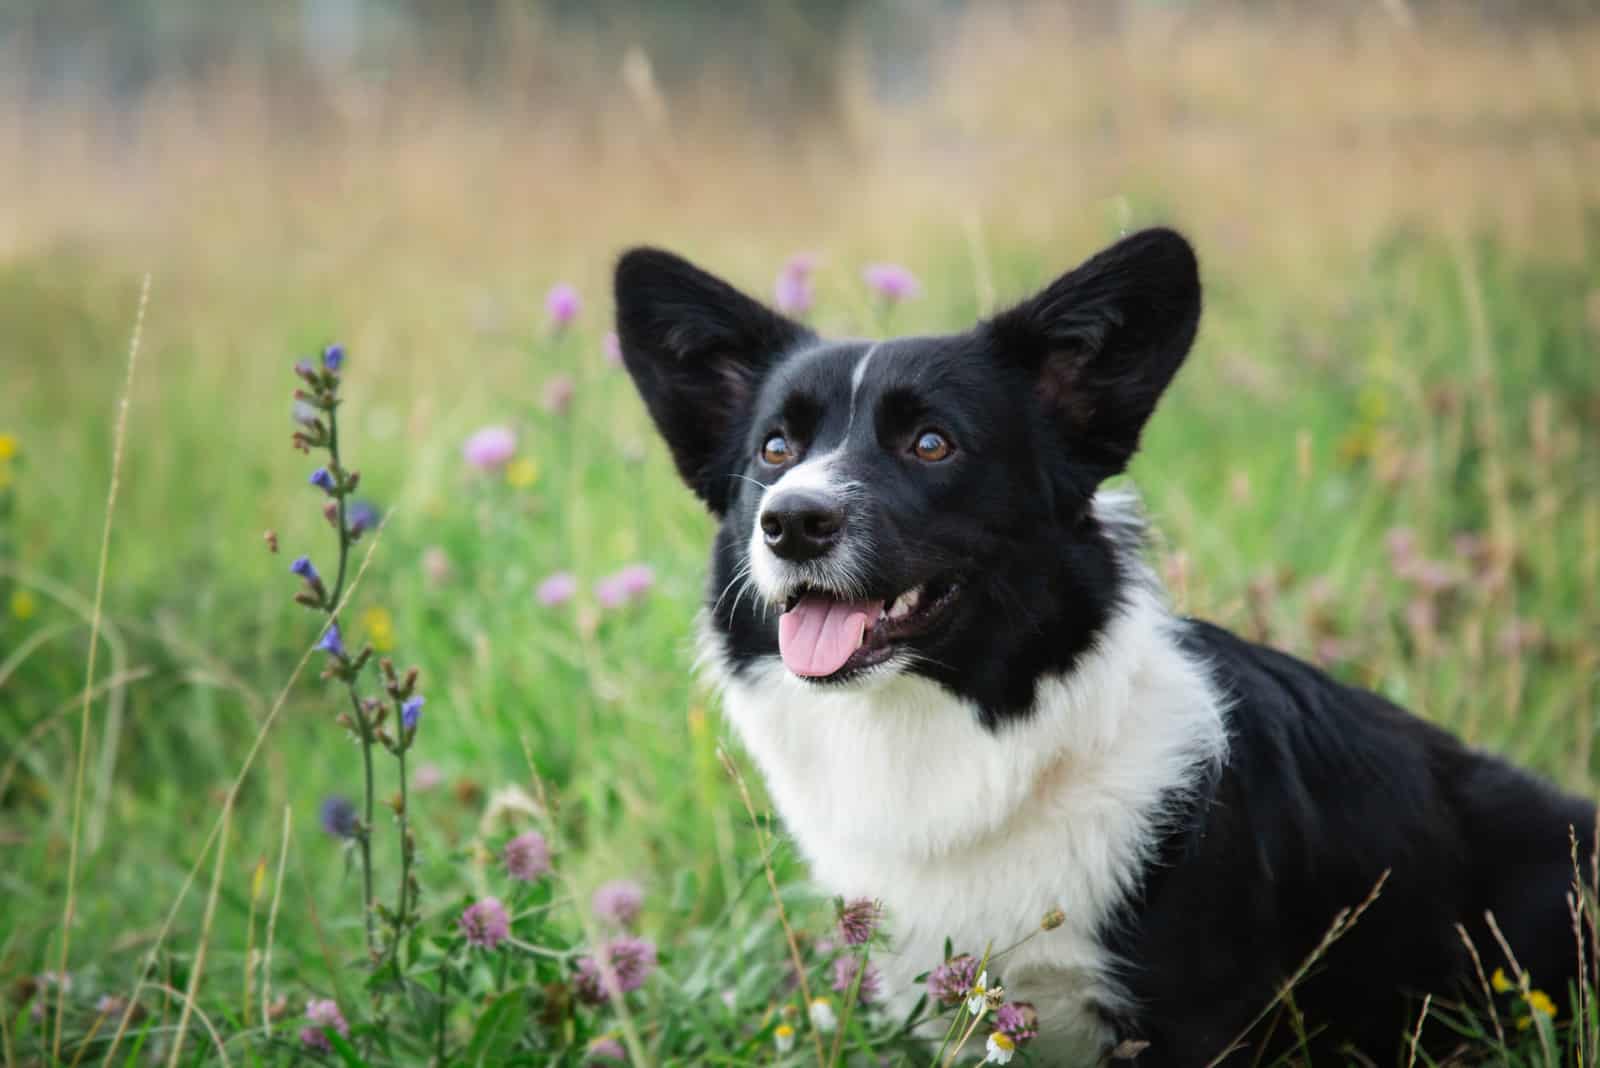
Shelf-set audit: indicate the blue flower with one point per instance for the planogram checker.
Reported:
(305, 570)
(411, 713)
(331, 642)
(338, 815)
(361, 516)
(322, 480)
(333, 357)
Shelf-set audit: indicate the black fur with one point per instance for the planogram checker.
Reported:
(1325, 787)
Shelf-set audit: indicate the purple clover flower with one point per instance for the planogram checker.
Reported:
(411, 712)
(338, 816)
(305, 569)
(844, 977)
(562, 304)
(793, 293)
(321, 479)
(1018, 1019)
(559, 588)
(331, 643)
(527, 857)
(949, 982)
(490, 447)
(631, 959)
(892, 282)
(333, 358)
(629, 584)
(325, 1016)
(618, 902)
(606, 1048)
(611, 348)
(858, 919)
(485, 923)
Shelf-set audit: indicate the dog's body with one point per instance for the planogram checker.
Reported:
(938, 639)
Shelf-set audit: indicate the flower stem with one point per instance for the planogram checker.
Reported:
(366, 827)
(402, 915)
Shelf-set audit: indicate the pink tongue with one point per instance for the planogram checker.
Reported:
(818, 635)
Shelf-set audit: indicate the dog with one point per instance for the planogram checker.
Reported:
(935, 633)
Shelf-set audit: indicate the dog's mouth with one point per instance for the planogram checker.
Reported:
(823, 636)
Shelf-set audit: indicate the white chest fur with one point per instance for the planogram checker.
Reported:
(895, 792)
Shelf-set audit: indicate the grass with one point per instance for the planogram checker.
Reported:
(1374, 359)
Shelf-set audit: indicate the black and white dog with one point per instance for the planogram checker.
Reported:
(936, 635)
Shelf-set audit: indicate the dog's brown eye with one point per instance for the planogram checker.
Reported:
(776, 450)
(933, 446)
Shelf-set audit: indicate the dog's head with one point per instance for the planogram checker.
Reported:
(921, 504)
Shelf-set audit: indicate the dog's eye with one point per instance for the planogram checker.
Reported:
(932, 446)
(776, 450)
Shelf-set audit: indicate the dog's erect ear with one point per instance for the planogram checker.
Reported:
(697, 349)
(1103, 341)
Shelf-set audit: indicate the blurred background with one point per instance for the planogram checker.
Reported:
(1383, 454)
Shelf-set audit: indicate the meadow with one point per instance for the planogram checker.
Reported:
(1381, 456)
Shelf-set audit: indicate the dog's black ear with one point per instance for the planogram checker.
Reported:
(1103, 341)
(697, 349)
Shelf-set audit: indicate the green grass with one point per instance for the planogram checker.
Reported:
(1444, 386)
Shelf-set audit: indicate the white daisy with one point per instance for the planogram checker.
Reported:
(1001, 1048)
(783, 1038)
(822, 1016)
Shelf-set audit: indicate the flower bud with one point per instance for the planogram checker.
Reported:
(1053, 919)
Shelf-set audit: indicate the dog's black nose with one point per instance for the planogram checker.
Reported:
(801, 525)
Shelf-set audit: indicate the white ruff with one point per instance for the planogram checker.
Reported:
(893, 791)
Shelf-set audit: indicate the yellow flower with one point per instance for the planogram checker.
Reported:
(1540, 1002)
(8, 447)
(379, 628)
(521, 473)
(1501, 984)
(23, 605)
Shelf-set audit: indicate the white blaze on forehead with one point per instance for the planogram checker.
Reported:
(856, 376)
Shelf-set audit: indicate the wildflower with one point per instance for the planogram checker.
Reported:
(1539, 1004)
(557, 589)
(485, 923)
(321, 479)
(378, 626)
(333, 358)
(331, 643)
(490, 447)
(1501, 984)
(411, 712)
(858, 919)
(360, 517)
(607, 1048)
(427, 777)
(999, 1049)
(631, 959)
(629, 584)
(527, 857)
(1052, 919)
(558, 394)
(522, 473)
(305, 569)
(822, 1015)
(304, 414)
(978, 994)
(618, 901)
(611, 348)
(793, 293)
(110, 1005)
(436, 565)
(783, 1037)
(23, 605)
(338, 816)
(325, 1016)
(8, 447)
(562, 304)
(892, 282)
(844, 978)
(1018, 1019)
(949, 982)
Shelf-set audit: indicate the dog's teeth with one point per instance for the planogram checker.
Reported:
(905, 604)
